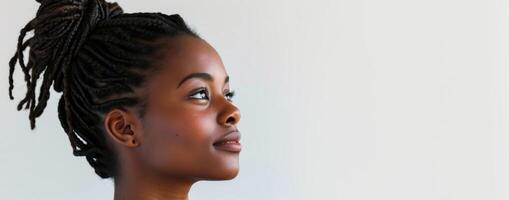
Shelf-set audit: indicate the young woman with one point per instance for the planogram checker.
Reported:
(144, 98)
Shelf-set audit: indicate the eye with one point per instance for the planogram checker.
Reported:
(200, 94)
(230, 95)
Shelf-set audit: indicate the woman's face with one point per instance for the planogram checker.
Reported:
(184, 117)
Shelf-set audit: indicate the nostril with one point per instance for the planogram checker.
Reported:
(230, 120)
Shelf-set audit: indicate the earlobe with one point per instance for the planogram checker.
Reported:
(119, 126)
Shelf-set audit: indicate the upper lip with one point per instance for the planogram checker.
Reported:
(233, 135)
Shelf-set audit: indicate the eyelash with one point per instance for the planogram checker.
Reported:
(230, 94)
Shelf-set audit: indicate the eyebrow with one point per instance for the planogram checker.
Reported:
(201, 75)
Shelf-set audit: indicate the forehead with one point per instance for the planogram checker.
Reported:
(183, 55)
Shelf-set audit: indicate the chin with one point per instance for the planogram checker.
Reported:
(232, 175)
(225, 174)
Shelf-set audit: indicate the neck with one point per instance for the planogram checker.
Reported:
(136, 186)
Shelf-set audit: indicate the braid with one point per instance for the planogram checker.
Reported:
(96, 55)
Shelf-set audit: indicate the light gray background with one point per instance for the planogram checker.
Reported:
(340, 99)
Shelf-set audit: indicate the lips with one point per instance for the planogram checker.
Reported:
(230, 142)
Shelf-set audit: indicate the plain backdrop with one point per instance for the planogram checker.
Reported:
(340, 100)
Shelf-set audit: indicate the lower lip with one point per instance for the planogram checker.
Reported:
(231, 147)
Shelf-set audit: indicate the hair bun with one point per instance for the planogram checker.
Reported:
(61, 27)
(86, 12)
(70, 19)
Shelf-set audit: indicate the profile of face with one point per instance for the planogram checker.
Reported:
(189, 109)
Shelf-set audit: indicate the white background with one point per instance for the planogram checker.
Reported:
(346, 100)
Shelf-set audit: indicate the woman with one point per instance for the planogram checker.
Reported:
(144, 98)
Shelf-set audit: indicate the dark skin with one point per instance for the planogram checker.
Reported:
(163, 155)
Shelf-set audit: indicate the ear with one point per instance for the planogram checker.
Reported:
(122, 127)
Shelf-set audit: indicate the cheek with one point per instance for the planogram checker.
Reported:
(179, 142)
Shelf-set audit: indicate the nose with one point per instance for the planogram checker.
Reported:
(230, 115)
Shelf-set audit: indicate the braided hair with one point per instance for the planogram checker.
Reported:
(96, 55)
